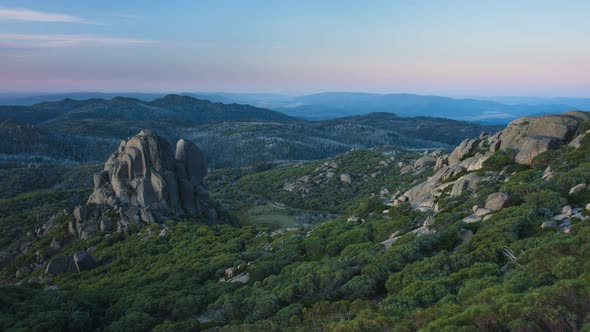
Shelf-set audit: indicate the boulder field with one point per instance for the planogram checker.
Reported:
(529, 136)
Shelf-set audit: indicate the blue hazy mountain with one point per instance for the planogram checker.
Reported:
(334, 104)
(331, 105)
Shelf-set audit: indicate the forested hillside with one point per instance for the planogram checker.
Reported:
(506, 252)
(230, 135)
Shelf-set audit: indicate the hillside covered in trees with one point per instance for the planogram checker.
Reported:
(491, 235)
(230, 135)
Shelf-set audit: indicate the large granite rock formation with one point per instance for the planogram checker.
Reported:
(145, 181)
(530, 136)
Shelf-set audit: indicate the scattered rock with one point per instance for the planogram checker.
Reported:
(54, 246)
(567, 210)
(549, 224)
(480, 212)
(465, 234)
(497, 201)
(346, 178)
(422, 231)
(81, 261)
(469, 181)
(84, 261)
(60, 264)
(23, 271)
(547, 174)
(389, 242)
(560, 217)
(566, 223)
(578, 188)
(580, 216)
(230, 272)
(241, 278)
(472, 219)
(50, 224)
(394, 234)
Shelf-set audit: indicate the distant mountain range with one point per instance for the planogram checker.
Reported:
(229, 134)
(170, 108)
(331, 105)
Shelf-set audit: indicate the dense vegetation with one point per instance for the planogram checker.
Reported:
(29, 196)
(511, 275)
(313, 190)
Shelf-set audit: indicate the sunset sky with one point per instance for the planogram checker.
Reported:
(533, 48)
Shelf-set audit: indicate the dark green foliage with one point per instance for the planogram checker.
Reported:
(30, 309)
(333, 276)
(332, 194)
(499, 160)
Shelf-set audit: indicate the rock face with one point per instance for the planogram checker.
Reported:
(530, 136)
(145, 173)
(534, 146)
(143, 182)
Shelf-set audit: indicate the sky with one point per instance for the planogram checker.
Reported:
(527, 48)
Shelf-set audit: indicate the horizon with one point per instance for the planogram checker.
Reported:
(458, 49)
(26, 94)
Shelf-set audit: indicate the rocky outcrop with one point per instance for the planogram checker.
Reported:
(145, 181)
(466, 148)
(530, 136)
(145, 173)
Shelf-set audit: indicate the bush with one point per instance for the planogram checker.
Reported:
(499, 160)
(359, 287)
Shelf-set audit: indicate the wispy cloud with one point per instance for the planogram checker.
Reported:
(11, 40)
(23, 14)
